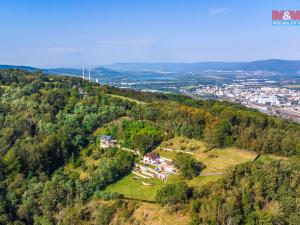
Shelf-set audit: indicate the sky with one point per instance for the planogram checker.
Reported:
(59, 33)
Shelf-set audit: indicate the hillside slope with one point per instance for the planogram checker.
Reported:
(53, 170)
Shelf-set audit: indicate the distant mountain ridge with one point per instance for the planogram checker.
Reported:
(28, 68)
(174, 66)
(279, 65)
(268, 65)
(274, 65)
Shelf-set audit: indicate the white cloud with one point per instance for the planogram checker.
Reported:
(63, 50)
(218, 11)
(139, 41)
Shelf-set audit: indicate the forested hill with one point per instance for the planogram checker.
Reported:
(47, 121)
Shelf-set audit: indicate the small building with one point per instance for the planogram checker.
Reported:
(107, 141)
(152, 158)
(168, 167)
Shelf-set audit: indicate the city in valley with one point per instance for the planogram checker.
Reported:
(260, 85)
(279, 101)
(150, 112)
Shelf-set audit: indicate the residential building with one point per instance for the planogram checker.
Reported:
(152, 158)
(107, 141)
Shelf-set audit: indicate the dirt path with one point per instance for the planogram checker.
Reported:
(211, 174)
(129, 150)
(173, 150)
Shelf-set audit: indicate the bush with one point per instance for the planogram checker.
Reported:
(110, 152)
(173, 194)
(188, 167)
(97, 153)
(106, 195)
(105, 214)
(127, 209)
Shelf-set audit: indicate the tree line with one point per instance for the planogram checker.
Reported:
(47, 121)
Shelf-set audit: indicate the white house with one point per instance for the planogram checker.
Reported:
(152, 158)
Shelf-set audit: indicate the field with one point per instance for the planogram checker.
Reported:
(153, 214)
(166, 154)
(133, 188)
(184, 144)
(217, 162)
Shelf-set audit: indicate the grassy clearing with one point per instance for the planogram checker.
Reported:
(198, 181)
(269, 157)
(220, 160)
(184, 144)
(126, 98)
(152, 214)
(165, 154)
(216, 160)
(133, 188)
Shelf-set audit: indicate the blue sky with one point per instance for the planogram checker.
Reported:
(52, 33)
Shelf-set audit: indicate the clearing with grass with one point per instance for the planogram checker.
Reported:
(217, 162)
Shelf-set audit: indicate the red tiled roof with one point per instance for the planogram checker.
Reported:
(152, 155)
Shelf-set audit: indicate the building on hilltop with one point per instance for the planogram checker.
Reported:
(152, 158)
(107, 141)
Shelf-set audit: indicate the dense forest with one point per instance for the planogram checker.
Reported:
(47, 121)
(252, 193)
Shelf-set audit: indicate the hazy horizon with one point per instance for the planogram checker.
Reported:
(74, 33)
(103, 65)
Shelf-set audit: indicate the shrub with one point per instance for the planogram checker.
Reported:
(182, 147)
(105, 214)
(106, 195)
(188, 167)
(174, 194)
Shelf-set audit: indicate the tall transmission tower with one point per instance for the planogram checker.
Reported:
(83, 73)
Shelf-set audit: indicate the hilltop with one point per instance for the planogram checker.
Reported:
(278, 65)
(71, 151)
(27, 68)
